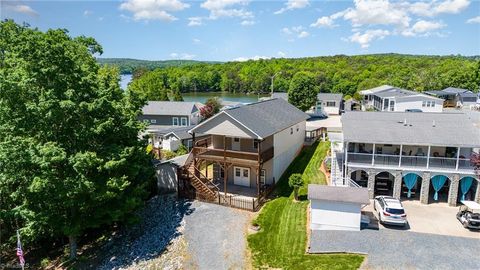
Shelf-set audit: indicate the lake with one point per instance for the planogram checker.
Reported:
(203, 96)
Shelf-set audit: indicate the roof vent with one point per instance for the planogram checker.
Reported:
(405, 122)
(433, 124)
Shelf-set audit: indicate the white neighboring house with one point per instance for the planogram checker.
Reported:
(456, 97)
(177, 137)
(328, 104)
(336, 208)
(165, 116)
(388, 98)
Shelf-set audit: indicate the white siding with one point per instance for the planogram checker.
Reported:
(401, 106)
(328, 215)
(286, 147)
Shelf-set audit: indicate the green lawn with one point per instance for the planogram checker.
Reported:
(281, 242)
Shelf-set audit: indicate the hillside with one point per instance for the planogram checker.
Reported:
(128, 65)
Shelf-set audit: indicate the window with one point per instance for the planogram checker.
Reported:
(236, 139)
(392, 105)
(424, 103)
(385, 104)
(175, 121)
(237, 172)
(189, 144)
(255, 144)
(291, 131)
(184, 121)
(298, 128)
(245, 172)
(263, 176)
(330, 103)
(146, 120)
(153, 121)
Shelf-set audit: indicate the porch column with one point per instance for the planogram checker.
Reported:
(346, 160)
(477, 192)
(400, 159)
(453, 190)
(428, 156)
(371, 183)
(373, 155)
(225, 177)
(425, 186)
(397, 184)
(458, 158)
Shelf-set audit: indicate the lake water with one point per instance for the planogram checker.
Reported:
(203, 96)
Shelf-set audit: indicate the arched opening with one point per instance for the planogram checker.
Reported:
(439, 188)
(467, 189)
(384, 184)
(411, 186)
(360, 177)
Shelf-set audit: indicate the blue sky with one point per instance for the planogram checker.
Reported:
(226, 30)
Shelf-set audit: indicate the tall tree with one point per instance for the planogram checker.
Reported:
(69, 154)
(177, 96)
(302, 92)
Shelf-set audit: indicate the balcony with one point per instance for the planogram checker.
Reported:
(418, 162)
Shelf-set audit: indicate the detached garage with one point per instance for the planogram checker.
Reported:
(336, 208)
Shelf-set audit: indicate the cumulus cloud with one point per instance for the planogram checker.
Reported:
(423, 28)
(281, 54)
(227, 8)
(19, 8)
(153, 9)
(297, 31)
(196, 41)
(195, 21)
(256, 57)
(182, 56)
(368, 36)
(293, 4)
(474, 20)
(323, 22)
(247, 22)
(87, 13)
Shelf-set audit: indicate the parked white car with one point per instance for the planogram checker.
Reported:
(390, 211)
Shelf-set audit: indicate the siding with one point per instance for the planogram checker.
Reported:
(401, 106)
(328, 215)
(286, 148)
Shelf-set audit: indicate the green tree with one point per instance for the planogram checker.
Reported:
(177, 96)
(302, 92)
(295, 181)
(69, 154)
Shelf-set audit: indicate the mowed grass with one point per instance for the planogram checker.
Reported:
(282, 240)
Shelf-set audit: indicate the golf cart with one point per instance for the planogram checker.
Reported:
(469, 215)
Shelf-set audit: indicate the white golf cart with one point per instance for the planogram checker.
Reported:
(469, 215)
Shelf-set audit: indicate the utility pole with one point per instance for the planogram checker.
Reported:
(273, 77)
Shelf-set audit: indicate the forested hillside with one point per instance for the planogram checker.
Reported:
(127, 65)
(340, 74)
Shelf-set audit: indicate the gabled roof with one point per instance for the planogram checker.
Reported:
(170, 108)
(180, 132)
(376, 89)
(387, 91)
(437, 129)
(263, 118)
(338, 194)
(282, 95)
(330, 96)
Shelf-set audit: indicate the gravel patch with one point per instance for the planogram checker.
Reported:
(216, 237)
(392, 249)
(156, 242)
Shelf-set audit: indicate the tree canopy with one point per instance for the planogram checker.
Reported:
(302, 92)
(70, 158)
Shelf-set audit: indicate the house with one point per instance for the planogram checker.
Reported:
(249, 147)
(456, 97)
(328, 104)
(388, 98)
(167, 173)
(176, 137)
(419, 156)
(336, 208)
(165, 116)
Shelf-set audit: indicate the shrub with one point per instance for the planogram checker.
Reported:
(295, 181)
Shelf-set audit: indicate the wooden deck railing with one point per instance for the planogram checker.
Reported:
(221, 153)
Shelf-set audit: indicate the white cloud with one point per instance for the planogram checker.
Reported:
(323, 22)
(227, 8)
(293, 4)
(303, 34)
(20, 8)
(368, 36)
(474, 20)
(247, 22)
(281, 54)
(182, 56)
(434, 8)
(287, 31)
(376, 12)
(423, 28)
(298, 31)
(256, 57)
(195, 21)
(87, 13)
(153, 9)
(196, 41)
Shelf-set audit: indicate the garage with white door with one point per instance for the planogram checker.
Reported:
(336, 207)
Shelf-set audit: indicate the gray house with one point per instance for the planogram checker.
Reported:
(327, 103)
(455, 97)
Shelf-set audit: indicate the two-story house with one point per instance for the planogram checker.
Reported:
(326, 104)
(422, 156)
(250, 147)
(456, 97)
(164, 117)
(388, 98)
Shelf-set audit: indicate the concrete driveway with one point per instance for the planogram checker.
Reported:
(438, 218)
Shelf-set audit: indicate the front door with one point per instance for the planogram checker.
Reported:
(236, 144)
(241, 176)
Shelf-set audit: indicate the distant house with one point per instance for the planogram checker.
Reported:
(388, 98)
(165, 116)
(176, 137)
(250, 147)
(336, 208)
(455, 97)
(327, 103)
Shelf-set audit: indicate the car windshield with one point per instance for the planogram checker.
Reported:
(395, 211)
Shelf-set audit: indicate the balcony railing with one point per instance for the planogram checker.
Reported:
(409, 161)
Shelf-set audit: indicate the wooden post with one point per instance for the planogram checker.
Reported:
(225, 175)
(258, 182)
(193, 139)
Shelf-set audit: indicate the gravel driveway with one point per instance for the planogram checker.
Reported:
(395, 249)
(216, 237)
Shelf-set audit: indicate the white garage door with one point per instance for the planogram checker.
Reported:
(241, 176)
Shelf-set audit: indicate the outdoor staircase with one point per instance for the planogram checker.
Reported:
(201, 183)
(336, 177)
